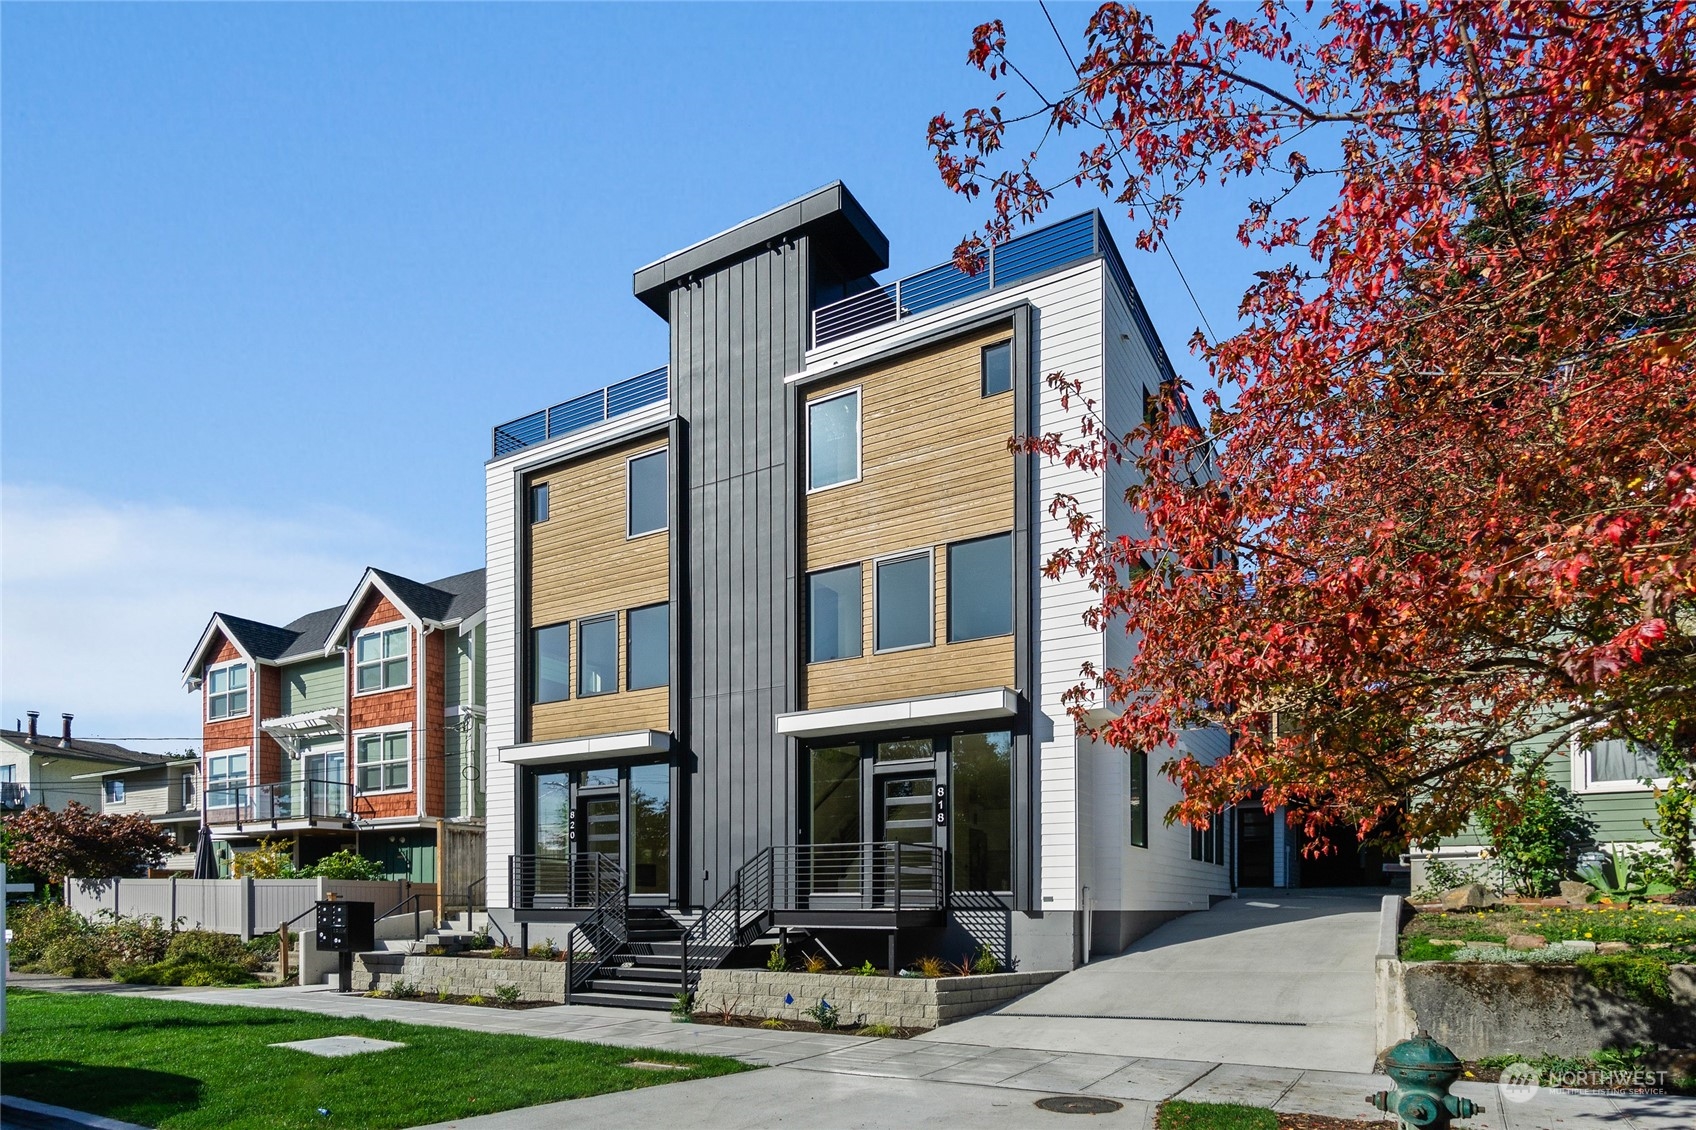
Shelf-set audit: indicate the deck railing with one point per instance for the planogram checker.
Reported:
(561, 882)
(276, 801)
(583, 411)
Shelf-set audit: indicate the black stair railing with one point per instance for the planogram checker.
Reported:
(573, 881)
(605, 930)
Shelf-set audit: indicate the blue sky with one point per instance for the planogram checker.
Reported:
(271, 273)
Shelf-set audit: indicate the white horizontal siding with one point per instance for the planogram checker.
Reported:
(503, 635)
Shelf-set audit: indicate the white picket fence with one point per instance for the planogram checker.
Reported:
(232, 906)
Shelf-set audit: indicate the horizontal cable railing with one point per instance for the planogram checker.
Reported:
(563, 881)
(1058, 245)
(278, 800)
(583, 411)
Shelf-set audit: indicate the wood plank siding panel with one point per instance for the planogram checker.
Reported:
(313, 685)
(935, 469)
(582, 565)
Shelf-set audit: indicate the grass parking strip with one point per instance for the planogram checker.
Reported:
(184, 1066)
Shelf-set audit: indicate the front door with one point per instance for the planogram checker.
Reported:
(1254, 846)
(599, 825)
(906, 815)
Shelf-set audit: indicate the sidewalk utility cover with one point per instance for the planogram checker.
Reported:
(340, 1045)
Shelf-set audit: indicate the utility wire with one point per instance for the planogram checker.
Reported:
(1165, 244)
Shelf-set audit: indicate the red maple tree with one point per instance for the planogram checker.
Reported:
(80, 843)
(1456, 458)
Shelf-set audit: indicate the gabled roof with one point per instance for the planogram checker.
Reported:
(437, 604)
(447, 601)
(81, 749)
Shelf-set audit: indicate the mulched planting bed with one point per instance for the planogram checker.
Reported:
(724, 1021)
(1324, 1122)
(455, 998)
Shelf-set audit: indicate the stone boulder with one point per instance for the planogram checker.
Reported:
(1472, 896)
(1526, 942)
(1576, 893)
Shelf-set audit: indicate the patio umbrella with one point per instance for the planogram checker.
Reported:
(205, 858)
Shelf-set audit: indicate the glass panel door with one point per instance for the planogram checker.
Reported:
(551, 844)
(907, 815)
(600, 831)
(650, 830)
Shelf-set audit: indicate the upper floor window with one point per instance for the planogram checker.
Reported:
(226, 778)
(538, 503)
(550, 663)
(114, 790)
(903, 597)
(382, 659)
(647, 647)
(980, 588)
(833, 614)
(226, 691)
(384, 762)
(645, 512)
(833, 440)
(1137, 798)
(997, 368)
(597, 656)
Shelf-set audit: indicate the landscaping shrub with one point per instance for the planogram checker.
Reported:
(193, 969)
(1637, 976)
(131, 941)
(36, 925)
(72, 955)
(213, 948)
(1535, 834)
(345, 864)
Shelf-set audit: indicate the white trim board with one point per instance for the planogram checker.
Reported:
(966, 706)
(582, 749)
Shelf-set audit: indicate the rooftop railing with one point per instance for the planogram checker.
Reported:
(583, 411)
(1023, 257)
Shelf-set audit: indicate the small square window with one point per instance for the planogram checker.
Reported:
(114, 790)
(383, 762)
(997, 368)
(646, 509)
(226, 691)
(382, 659)
(538, 503)
(833, 440)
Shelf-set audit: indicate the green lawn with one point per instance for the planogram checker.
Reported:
(176, 1064)
(1214, 1116)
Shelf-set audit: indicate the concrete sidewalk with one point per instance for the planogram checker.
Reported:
(846, 1082)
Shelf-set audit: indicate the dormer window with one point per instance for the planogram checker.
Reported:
(226, 691)
(382, 659)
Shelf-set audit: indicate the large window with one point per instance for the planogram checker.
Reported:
(647, 647)
(550, 663)
(383, 762)
(903, 602)
(833, 614)
(982, 766)
(833, 440)
(645, 512)
(980, 588)
(597, 656)
(226, 775)
(382, 659)
(1138, 798)
(226, 691)
(997, 368)
(650, 829)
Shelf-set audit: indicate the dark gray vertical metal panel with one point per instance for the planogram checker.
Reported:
(734, 339)
(1026, 644)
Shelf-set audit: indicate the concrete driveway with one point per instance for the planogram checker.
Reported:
(1270, 978)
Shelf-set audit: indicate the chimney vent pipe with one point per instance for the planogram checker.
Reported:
(65, 734)
(33, 716)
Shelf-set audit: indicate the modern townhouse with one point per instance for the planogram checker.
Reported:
(359, 726)
(770, 644)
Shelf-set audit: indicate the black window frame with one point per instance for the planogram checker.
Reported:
(1003, 348)
(582, 672)
(664, 455)
(630, 647)
(1138, 789)
(948, 554)
(539, 503)
(564, 627)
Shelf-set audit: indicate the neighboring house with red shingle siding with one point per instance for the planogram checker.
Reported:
(359, 725)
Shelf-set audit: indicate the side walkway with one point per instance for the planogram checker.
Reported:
(848, 1081)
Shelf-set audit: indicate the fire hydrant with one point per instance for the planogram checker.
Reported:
(1423, 1071)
